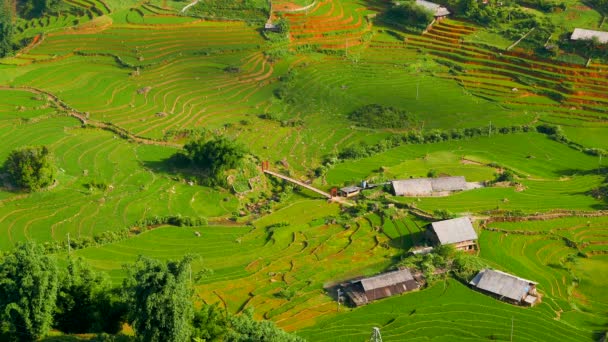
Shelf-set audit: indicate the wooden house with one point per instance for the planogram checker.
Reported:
(349, 191)
(366, 290)
(506, 287)
(458, 232)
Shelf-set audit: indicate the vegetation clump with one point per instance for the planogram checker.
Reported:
(379, 116)
(409, 15)
(31, 168)
(211, 158)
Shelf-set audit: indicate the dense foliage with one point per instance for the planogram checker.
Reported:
(28, 290)
(35, 8)
(410, 15)
(31, 168)
(379, 116)
(159, 297)
(212, 157)
(6, 29)
(86, 302)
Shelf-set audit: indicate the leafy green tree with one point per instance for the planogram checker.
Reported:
(31, 168)
(85, 302)
(243, 328)
(6, 29)
(215, 156)
(408, 13)
(159, 297)
(28, 290)
(210, 323)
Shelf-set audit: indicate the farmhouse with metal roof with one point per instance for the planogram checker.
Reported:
(583, 34)
(506, 287)
(458, 232)
(429, 186)
(437, 10)
(366, 290)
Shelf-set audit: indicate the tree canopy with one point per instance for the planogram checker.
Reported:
(159, 296)
(243, 328)
(6, 29)
(28, 290)
(215, 156)
(31, 168)
(86, 302)
(410, 14)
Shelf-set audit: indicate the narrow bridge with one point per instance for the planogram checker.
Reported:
(304, 185)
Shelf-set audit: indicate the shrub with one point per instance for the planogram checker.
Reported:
(378, 116)
(31, 168)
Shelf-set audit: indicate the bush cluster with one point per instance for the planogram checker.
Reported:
(379, 116)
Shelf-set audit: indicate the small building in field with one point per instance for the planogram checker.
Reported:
(583, 34)
(270, 26)
(437, 10)
(366, 290)
(428, 186)
(349, 191)
(506, 287)
(458, 232)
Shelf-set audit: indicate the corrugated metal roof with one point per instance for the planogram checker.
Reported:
(350, 189)
(449, 183)
(438, 10)
(386, 279)
(583, 34)
(426, 186)
(413, 187)
(454, 230)
(502, 284)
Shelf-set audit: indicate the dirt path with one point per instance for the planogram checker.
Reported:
(83, 118)
(188, 6)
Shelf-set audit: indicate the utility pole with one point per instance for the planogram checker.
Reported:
(69, 247)
(339, 296)
(490, 129)
(376, 337)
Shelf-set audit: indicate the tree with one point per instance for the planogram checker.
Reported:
(210, 323)
(85, 302)
(31, 167)
(215, 156)
(159, 298)
(6, 29)
(243, 328)
(28, 290)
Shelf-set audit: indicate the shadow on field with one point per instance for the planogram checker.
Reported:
(172, 168)
(599, 193)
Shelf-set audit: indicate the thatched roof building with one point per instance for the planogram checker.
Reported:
(506, 286)
(388, 284)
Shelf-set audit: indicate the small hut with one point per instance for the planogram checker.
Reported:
(458, 232)
(506, 287)
(350, 191)
(366, 290)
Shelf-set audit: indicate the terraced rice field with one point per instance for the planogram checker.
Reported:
(547, 251)
(251, 266)
(84, 156)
